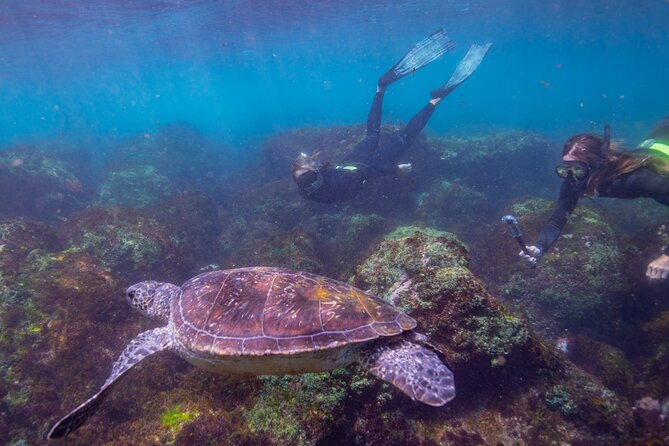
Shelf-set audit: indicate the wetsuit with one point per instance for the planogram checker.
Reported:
(643, 182)
(336, 184)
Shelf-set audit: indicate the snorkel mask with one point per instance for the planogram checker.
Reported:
(307, 172)
(585, 159)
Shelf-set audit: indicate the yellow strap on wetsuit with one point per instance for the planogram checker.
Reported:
(659, 147)
(347, 167)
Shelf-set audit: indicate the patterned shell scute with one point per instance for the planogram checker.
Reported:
(261, 311)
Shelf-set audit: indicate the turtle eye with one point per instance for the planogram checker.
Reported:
(131, 294)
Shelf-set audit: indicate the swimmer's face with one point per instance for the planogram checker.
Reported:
(305, 163)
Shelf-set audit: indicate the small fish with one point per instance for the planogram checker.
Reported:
(545, 83)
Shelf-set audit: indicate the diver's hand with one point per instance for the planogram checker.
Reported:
(533, 258)
(658, 268)
(404, 169)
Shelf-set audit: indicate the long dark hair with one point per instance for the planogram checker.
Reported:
(607, 165)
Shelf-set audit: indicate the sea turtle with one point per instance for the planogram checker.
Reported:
(274, 321)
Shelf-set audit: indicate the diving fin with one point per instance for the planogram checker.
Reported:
(423, 53)
(465, 68)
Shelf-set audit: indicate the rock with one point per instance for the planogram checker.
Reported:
(511, 159)
(35, 184)
(129, 243)
(575, 280)
(152, 167)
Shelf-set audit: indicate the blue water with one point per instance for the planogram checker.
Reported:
(98, 71)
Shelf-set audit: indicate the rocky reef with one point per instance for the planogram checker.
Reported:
(573, 351)
(37, 184)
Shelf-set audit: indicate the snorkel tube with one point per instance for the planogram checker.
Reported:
(605, 147)
(515, 232)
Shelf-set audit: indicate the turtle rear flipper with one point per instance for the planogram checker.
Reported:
(145, 344)
(412, 368)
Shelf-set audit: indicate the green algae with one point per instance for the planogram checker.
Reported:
(559, 398)
(175, 418)
(136, 187)
(292, 408)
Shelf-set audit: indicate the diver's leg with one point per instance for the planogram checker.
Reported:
(418, 122)
(363, 152)
(374, 116)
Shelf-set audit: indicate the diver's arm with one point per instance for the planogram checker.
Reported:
(563, 208)
(336, 185)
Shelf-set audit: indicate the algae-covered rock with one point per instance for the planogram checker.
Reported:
(455, 207)
(18, 238)
(52, 334)
(191, 218)
(573, 282)
(136, 187)
(607, 362)
(297, 410)
(149, 168)
(426, 274)
(130, 243)
(494, 354)
(37, 184)
(503, 165)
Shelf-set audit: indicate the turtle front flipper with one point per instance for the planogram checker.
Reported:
(143, 345)
(415, 370)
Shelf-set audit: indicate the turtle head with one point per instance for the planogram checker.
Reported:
(152, 298)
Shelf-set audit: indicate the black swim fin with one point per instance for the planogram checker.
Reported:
(465, 68)
(423, 53)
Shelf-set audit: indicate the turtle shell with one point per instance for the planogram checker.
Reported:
(265, 311)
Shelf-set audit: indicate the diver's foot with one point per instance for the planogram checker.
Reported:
(440, 93)
(388, 78)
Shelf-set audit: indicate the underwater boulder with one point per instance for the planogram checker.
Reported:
(347, 238)
(605, 361)
(653, 354)
(135, 187)
(505, 376)
(514, 159)
(18, 238)
(258, 243)
(192, 219)
(455, 207)
(53, 331)
(574, 283)
(128, 242)
(643, 246)
(426, 273)
(153, 166)
(36, 184)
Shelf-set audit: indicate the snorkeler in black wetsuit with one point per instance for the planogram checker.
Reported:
(328, 183)
(591, 169)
